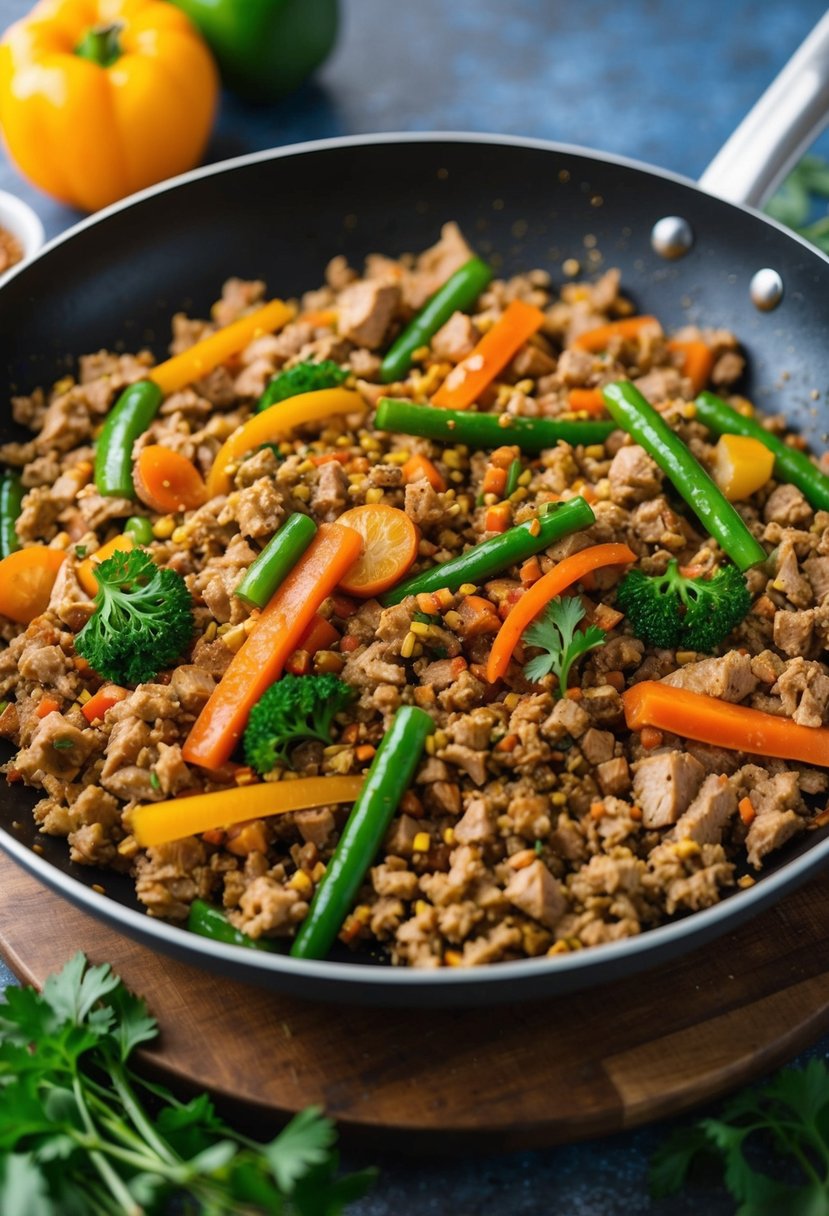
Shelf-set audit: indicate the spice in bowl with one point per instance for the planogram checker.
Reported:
(11, 251)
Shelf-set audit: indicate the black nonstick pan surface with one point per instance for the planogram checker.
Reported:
(115, 281)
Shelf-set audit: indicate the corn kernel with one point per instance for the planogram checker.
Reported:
(453, 620)
(210, 632)
(448, 835)
(128, 847)
(420, 354)
(369, 444)
(525, 478)
(375, 494)
(362, 913)
(467, 589)
(441, 738)
(303, 493)
(422, 842)
(234, 637)
(421, 628)
(560, 947)
(558, 798)
(84, 695)
(164, 528)
(300, 882)
(180, 535)
(318, 871)
(519, 495)
(745, 882)
(328, 662)
(356, 479)
(60, 541)
(685, 656)
(512, 700)
(420, 907)
(452, 958)
(594, 450)
(686, 848)
(535, 527)
(430, 745)
(398, 457)
(451, 459)
(408, 645)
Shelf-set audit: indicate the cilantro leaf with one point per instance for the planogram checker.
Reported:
(555, 631)
(304, 1143)
(23, 1187)
(74, 992)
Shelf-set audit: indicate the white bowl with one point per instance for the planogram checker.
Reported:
(22, 222)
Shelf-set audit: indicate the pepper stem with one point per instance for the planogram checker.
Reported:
(101, 44)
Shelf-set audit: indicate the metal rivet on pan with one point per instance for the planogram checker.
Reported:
(672, 237)
(766, 289)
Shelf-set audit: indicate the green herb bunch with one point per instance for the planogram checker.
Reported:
(555, 631)
(77, 1139)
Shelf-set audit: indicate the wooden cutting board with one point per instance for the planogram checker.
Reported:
(541, 1073)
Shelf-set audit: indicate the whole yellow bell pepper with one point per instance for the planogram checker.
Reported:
(99, 98)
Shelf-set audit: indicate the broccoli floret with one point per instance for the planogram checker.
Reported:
(305, 377)
(673, 611)
(295, 708)
(143, 619)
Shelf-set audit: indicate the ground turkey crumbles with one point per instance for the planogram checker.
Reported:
(536, 823)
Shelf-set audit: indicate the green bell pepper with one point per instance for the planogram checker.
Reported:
(265, 48)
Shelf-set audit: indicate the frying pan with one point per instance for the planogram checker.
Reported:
(116, 279)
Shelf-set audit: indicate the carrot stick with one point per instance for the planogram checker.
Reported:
(276, 635)
(586, 401)
(319, 635)
(210, 353)
(697, 362)
(709, 720)
(276, 423)
(595, 340)
(418, 467)
(160, 822)
(539, 595)
(466, 382)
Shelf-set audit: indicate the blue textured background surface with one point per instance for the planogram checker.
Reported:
(662, 82)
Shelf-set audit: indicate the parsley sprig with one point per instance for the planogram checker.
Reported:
(801, 199)
(556, 632)
(76, 1138)
(783, 1125)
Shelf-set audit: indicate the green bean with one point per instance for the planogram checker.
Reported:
(11, 497)
(499, 552)
(391, 772)
(789, 464)
(513, 473)
(276, 560)
(460, 291)
(209, 921)
(634, 414)
(485, 430)
(140, 529)
(129, 417)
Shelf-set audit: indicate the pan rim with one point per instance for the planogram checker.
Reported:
(369, 139)
(704, 924)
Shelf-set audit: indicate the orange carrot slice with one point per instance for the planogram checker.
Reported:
(390, 542)
(697, 362)
(86, 570)
(26, 581)
(466, 382)
(275, 636)
(167, 481)
(417, 467)
(539, 595)
(693, 715)
(595, 340)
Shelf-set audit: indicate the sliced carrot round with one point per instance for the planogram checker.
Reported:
(26, 581)
(389, 547)
(167, 481)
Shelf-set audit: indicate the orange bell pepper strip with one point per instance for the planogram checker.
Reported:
(99, 98)
(595, 340)
(209, 353)
(693, 715)
(467, 381)
(86, 570)
(697, 362)
(26, 581)
(275, 636)
(525, 610)
(276, 423)
(161, 822)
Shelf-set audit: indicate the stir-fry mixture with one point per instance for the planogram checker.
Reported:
(460, 618)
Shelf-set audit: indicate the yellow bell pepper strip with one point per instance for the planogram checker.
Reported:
(139, 403)
(161, 822)
(86, 570)
(472, 375)
(99, 98)
(742, 466)
(274, 638)
(693, 715)
(27, 577)
(209, 353)
(534, 600)
(790, 464)
(275, 424)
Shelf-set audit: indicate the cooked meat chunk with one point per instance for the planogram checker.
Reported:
(536, 893)
(729, 678)
(633, 476)
(707, 816)
(366, 310)
(664, 785)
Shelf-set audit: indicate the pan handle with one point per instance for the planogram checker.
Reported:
(778, 129)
